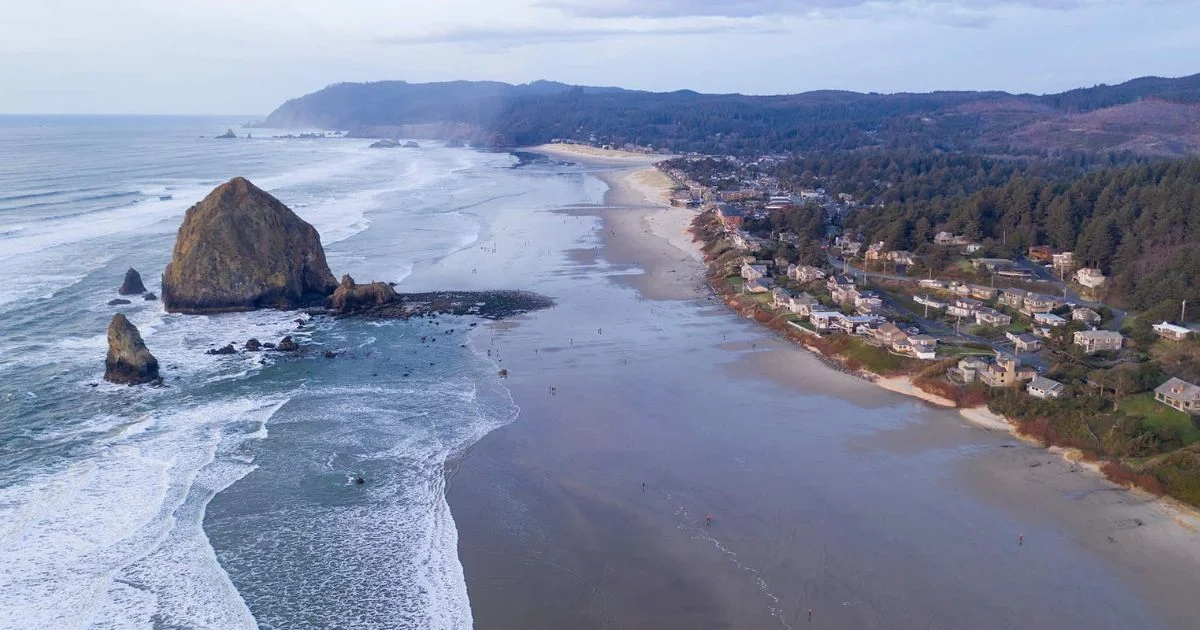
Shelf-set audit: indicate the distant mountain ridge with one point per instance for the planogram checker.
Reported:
(1146, 116)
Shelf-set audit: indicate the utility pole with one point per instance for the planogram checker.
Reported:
(1182, 313)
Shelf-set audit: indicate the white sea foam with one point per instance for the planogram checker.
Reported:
(115, 537)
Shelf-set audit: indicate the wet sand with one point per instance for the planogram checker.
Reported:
(827, 493)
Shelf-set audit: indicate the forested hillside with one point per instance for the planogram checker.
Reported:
(1140, 225)
(499, 114)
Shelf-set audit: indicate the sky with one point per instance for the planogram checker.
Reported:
(248, 56)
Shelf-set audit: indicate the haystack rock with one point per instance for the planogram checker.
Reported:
(133, 283)
(350, 297)
(128, 361)
(240, 249)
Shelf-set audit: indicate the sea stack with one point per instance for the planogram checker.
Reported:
(350, 297)
(128, 361)
(240, 249)
(133, 283)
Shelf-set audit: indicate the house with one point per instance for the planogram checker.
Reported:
(822, 320)
(971, 248)
(802, 304)
(1037, 303)
(985, 316)
(1063, 262)
(1048, 319)
(1090, 278)
(902, 257)
(1024, 342)
(758, 285)
(1044, 388)
(889, 333)
(967, 370)
(930, 283)
(964, 307)
(840, 288)
(1097, 340)
(1041, 253)
(875, 251)
(805, 273)
(1179, 394)
(1171, 331)
(930, 302)
(851, 324)
(866, 301)
(1005, 370)
(1013, 298)
(923, 346)
(944, 238)
(851, 249)
(981, 292)
(753, 272)
(992, 264)
(1085, 315)
(960, 288)
(780, 297)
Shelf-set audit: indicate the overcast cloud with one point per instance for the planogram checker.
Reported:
(247, 56)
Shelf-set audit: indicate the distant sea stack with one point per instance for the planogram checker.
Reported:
(133, 283)
(128, 361)
(240, 249)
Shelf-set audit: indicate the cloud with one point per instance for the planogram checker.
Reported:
(756, 8)
(530, 35)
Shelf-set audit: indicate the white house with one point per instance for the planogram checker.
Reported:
(1180, 395)
(1044, 388)
(1097, 340)
(1090, 278)
(1171, 331)
(1048, 319)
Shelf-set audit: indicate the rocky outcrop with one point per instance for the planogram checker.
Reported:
(384, 144)
(240, 249)
(227, 135)
(252, 345)
(352, 298)
(128, 361)
(226, 349)
(118, 302)
(287, 345)
(133, 283)
(149, 297)
(411, 145)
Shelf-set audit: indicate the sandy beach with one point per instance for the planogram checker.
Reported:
(647, 405)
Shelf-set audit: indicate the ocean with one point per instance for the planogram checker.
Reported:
(227, 498)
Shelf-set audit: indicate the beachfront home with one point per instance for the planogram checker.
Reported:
(1171, 331)
(758, 285)
(822, 320)
(1090, 278)
(753, 272)
(1048, 319)
(888, 334)
(802, 304)
(1085, 315)
(967, 370)
(1024, 342)
(1097, 340)
(985, 316)
(1005, 370)
(1180, 395)
(780, 297)
(1044, 388)
(866, 301)
(923, 346)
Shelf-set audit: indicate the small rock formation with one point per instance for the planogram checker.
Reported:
(149, 297)
(128, 361)
(503, 373)
(227, 349)
(118, 302)
(287, 345)
(384, 144)
(350, 297)
(268, 346)
(228, 134)
(411, 145)
(252, 345)
(240, 249)
(133, 283)
(330, 354)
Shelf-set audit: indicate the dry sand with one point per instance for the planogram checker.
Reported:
(596, 155)
(904, 385)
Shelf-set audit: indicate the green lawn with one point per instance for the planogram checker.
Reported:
(874, 359)
(1017, 327)
(1159, 415)
(962, 351)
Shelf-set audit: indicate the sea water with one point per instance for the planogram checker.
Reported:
(227, 498)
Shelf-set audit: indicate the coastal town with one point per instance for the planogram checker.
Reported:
(965, 326)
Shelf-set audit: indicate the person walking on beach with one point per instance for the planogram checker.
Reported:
(708, 519)
(1021, 540)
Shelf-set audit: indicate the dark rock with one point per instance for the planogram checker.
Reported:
(228, 134)
(351, 298)
(384, 144)
(149, 297)
(133, 283)
(226, 349)
(128, 361)
(411, 145)
(240, 249)
(329, 354)
(253, 345)
(287, 345)
(268, 346)
(118, 302)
